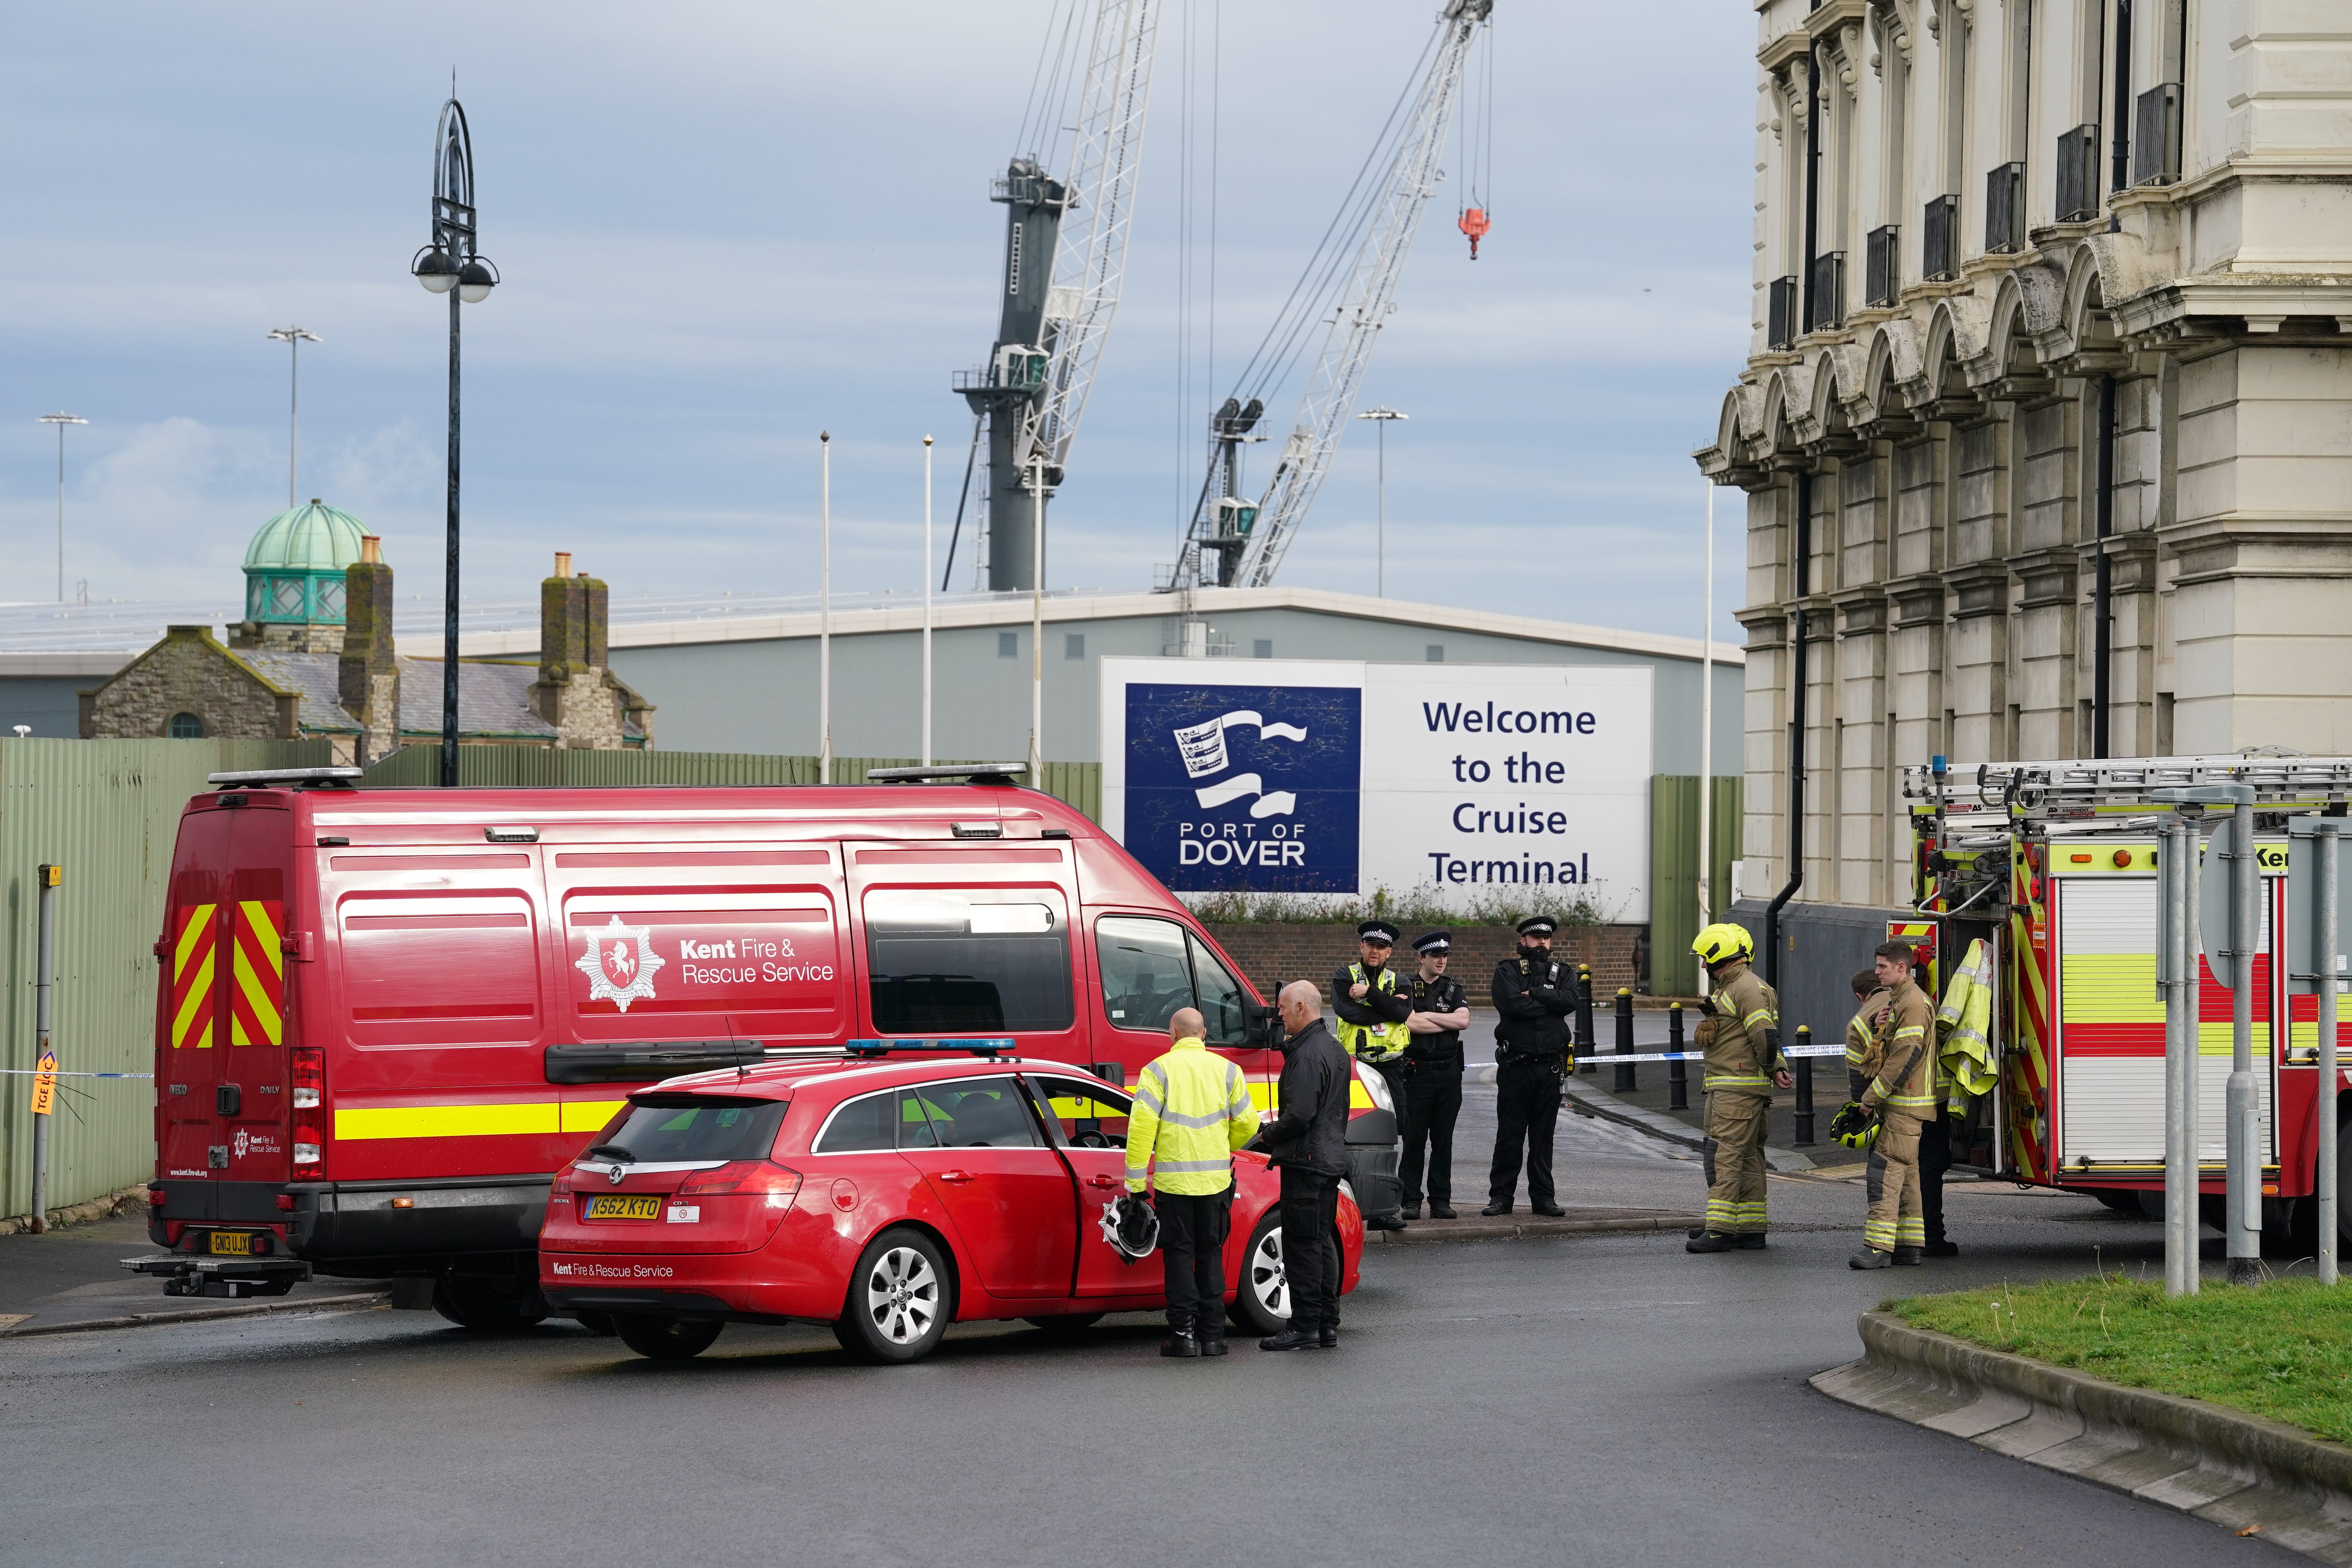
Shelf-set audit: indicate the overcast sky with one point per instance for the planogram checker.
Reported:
(725, 226)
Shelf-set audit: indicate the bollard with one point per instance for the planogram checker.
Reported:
(1586, 1041)
(1623, 1082)
(45, 971)
(1803, 1068)
(1677, 1072)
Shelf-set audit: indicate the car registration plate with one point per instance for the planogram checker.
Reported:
(606, 1206)
(232, 1244)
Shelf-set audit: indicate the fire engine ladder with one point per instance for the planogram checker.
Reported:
(2026, 791)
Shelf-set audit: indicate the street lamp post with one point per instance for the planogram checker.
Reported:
(1386, 416)
(450, 264)
(61, 420)
(293, 338)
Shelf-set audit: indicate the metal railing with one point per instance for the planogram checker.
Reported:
(2078, 175)
(2155, 135)
(1781, 313)
(1882, 266)
(1939, 251)
(2005, 209)
(1829, 292)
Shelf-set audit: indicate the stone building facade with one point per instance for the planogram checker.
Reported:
(316, 657)
(2046, 421)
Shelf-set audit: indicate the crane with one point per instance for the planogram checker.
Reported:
(1233, 540)
(1060, 291)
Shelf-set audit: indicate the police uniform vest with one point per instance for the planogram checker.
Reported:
(1544, 1038)
(1374, 1042)
(1442, 995)
(1741, 1008)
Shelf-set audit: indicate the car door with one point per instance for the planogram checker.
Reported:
(1090, 1119)
(1005, 1190)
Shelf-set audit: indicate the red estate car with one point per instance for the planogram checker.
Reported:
(885, 1198)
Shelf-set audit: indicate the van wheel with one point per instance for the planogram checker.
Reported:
(2123, 1200)
(1262, 1304)
(665, 1339)
(489, 1304)
(899, 1299)
(1065, 1325)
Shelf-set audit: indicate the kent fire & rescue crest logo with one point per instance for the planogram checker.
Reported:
(620, 964)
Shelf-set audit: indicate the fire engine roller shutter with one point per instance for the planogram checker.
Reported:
(2111, 1029)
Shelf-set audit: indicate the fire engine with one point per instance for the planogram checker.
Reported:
(2054, 866)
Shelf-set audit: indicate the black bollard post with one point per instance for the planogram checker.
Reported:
(1625, 1070)
(1588, 1042)
(1677, 1072)
(1803, 1068)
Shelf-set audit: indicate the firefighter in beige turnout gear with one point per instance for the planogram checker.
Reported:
(1903, 1096)
(1740, 1036)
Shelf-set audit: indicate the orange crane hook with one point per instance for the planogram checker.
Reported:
(1475, 224)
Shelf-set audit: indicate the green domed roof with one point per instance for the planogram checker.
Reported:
(313, 538)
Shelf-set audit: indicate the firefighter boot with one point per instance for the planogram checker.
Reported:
(1751, 1242)
(1711, 1242)
(1907, 1255)
(1871, 1258)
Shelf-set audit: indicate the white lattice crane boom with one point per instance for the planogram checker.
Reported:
(1364, 302)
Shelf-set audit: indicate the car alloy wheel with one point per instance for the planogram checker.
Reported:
(1262, 1305)
(900, 1299)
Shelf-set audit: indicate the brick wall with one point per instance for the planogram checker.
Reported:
(1273, 955)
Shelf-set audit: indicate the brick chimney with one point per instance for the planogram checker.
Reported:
(368, 675)
(575, 692)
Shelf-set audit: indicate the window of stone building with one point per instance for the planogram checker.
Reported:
(186, 727)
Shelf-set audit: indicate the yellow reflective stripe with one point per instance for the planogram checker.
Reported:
(1749, 1021)
(589, 1115)
(531, 1118)
(192, 931)
(1911, 1032)
(1736, 1080)
(199, 999)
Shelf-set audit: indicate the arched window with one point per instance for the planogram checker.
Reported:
(186, 727)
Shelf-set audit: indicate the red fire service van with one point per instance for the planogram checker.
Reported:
(386, 1019)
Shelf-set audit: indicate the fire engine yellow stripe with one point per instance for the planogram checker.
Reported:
(589, 1115)
(265, 1011)
(517, 1121)
(2220, 1039)
(199, 920)
(257, 915)
(199, 999)
(2111, 989)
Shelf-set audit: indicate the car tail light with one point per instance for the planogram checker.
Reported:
(747, 1178)
(309, 1086)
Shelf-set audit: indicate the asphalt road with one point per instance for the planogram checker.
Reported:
(1602, 1399)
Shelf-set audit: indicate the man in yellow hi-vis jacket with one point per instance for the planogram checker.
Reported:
(1903, 1095)
(1192, 1111)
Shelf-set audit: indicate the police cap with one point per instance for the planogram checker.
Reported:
(1378, 932)
(1436, 944)
(1538, 925)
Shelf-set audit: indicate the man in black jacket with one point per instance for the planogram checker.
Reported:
(1309, 1143)
(1535, 995)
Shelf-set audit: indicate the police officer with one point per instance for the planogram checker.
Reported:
(1534, 996)
(1433, 1085)
(1740, 1037)
(1372, 1021)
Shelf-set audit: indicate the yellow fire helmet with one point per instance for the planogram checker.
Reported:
(1722, 943)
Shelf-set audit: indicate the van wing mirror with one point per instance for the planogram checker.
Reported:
(1264, 1026)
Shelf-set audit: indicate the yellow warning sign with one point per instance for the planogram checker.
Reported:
(45, 1083)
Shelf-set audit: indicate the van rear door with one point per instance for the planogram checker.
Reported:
(223, 1132)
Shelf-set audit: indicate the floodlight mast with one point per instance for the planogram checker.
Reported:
(1058, 298)
(1363, 305)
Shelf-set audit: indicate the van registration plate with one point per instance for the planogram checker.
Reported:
(231, 1244)
(614, 1207)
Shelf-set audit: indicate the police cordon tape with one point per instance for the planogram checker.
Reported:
(1611, 1058)
(34, 1072)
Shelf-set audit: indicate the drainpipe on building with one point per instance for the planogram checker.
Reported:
(2102, 573)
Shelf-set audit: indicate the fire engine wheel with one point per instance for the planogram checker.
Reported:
(2125, 1202)
(1262, 1305)
(488, 1304)
(665, 1339)
(899, 1299)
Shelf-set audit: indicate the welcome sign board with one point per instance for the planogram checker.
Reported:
(1338, 777)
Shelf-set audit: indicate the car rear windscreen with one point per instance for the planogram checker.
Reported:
(697, 1127)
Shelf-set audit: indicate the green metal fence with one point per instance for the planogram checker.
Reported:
(1674, 873)
(108, 812)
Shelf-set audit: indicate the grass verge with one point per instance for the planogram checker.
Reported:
(2283, 1350)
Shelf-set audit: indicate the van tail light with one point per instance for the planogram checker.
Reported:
(155, 1197)
(309, 1091)
(749, 1178)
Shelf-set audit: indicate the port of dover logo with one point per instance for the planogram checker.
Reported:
(620, 964)
(1233, 787)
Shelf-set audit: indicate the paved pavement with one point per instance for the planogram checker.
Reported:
(1580, 1400)
(76, 1275)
